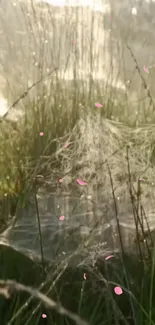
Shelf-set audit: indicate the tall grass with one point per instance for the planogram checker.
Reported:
(91, 298)
(65, 112)
(53, 105)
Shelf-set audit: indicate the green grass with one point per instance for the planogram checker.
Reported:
(28, 154)
(66, 113)
(93, 299)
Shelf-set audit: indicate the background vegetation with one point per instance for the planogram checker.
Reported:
(53, 72)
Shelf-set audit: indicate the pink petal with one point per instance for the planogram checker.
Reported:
(118, 290)
(44, 315)
(98, 105)
(145, 69)
(108, 257)
(41, 134)
(60, 180)
(81, 182)
(62, 218)
(84, 276)
(67, 145)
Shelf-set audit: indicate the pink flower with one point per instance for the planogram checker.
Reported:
(41, 134)
(60, 180)
(84, 276)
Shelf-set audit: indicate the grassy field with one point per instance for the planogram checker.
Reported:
(64, 134)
